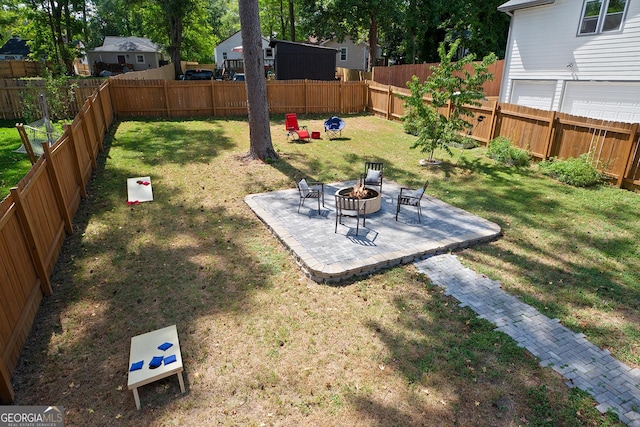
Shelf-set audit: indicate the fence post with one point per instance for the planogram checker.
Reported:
(389, 100)
(213, 98)
(36, 256)
(57, 189)
(77, 167)
(629, 150)
(340, 103)
(166, 98)
(306, 97)
(6, 389)
(551, 135)
(26, 143)
(96, 130)
(494, 114)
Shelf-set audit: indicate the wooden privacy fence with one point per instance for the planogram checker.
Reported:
(399, 75)
(12, 92)
(163, 98)
(34, 220)
(613, 147)
(20, 68)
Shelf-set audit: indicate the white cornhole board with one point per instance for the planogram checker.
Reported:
(139, 192)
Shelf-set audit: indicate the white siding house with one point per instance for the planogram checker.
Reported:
(139, 52)
(351, 55)
(225, 50)
(575, 56)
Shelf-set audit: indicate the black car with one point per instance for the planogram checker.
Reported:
(198, 75)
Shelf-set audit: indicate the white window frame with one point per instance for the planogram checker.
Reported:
(139, 58)
(268, 52)
(343, 54)
(224, 55)
(601, 18)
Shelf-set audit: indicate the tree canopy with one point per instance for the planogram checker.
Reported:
(407, 32)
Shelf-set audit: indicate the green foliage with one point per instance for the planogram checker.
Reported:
(59, 93)
(450, 86)
(410, 122)
(501, 150)
(578, 172)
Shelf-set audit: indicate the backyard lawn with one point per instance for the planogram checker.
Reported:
(13, 166)
(263, 345)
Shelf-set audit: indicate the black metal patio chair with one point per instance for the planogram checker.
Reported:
(411, 197)
(353, 207)
(310, 190)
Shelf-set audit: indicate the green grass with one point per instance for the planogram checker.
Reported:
(263, 344)
(13, 166)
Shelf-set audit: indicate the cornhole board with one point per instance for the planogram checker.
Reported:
(137, 192)
(144, 348)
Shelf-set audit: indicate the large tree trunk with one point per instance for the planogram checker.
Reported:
(292, 21)
(261, 146)
(373, 40)
(175, 49)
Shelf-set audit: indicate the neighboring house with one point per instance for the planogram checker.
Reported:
(580, 57)
(299, 61)
(15, 48)
(137, 52)
(351, 55)
(231, 49)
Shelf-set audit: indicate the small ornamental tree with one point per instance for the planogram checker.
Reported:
(450, 86)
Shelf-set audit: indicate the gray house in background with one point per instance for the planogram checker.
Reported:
(15, 48)
(299, 61)
(138, 53)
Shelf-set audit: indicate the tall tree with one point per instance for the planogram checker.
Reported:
(260, 146)
(175, 12)
(359, 19)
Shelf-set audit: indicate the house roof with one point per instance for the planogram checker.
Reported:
(127, 44)
(274, 42)
(15, 46)
(512, 5)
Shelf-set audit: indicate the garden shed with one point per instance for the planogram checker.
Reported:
(303, 61)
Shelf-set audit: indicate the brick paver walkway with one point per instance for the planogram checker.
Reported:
(612, 384)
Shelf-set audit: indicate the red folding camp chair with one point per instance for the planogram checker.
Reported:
(291, 124)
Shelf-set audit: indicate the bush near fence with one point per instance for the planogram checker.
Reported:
(37, 215)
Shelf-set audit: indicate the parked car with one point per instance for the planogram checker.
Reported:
(198, 75)
(238, 77)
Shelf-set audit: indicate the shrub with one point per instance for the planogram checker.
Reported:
(501, 150)
(578, 172)
(411, 122)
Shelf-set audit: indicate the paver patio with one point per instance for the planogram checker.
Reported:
(326, 256)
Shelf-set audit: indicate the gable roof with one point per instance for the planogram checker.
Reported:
(127, 44)
(274, 42)
(15, 46)
(512, 5)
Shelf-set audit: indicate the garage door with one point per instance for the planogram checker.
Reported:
(533, 93)
(603, 100)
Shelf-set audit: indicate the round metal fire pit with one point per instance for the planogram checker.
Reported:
(374, 200)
